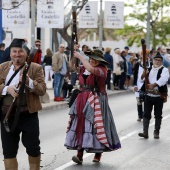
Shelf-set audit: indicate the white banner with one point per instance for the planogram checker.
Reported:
(114, 15)
(17, 14)
(88, 17)
(50, 13)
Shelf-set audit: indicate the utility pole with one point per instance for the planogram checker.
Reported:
(32, 22)
(0, 20)
(148, 26)
(101, 26)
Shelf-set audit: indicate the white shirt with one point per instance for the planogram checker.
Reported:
(153, 77)
(139, 82)
(163, 78)
(15, 80)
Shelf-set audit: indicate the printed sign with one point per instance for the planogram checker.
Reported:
(15, 13)
(114, 15)
(88, 17)
(50, 13)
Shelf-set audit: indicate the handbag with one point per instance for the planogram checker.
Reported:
(73, 97)
(118, 70)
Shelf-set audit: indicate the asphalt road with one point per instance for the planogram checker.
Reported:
(135, 154)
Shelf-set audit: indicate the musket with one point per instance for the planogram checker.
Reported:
(74, 39)
(145, 64)
(21, 88)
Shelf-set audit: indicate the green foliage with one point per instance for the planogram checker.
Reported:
(159, 21)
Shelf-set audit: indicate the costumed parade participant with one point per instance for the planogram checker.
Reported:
(138, 70)
(91, 125)
(156, 94)
(23, 105)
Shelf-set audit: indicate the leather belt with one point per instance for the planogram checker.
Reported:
(85, 86)
(155, 92)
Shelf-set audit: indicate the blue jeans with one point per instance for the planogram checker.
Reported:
(73, 78)
(58, 84)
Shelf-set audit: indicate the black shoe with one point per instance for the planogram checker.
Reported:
(156, 134)
(123, 88)
(144, 135)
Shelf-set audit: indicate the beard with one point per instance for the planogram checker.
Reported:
(18, 61)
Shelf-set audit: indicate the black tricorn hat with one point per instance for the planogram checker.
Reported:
(97, 55)
(158, 55)
(19, 43)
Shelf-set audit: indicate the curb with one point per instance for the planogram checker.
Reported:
(61, 105)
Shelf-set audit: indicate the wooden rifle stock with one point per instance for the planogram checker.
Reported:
(74, 39)
(144, 64)
(21, 87)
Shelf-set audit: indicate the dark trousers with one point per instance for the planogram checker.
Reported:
(67, 88)
(73, 78)
(148, 106)
(122, 80)
(28, 127)
(108, 79)
(116, 81)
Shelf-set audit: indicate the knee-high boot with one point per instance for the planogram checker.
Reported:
(145, 128)
(11, 164)
(34, 162)
(157, 128)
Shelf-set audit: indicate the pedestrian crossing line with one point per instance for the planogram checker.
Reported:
(121, 139)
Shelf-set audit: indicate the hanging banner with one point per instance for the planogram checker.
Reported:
(15, 13)
(114, 15)
(88, 16)
(50, 13)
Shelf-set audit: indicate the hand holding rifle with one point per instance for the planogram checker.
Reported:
(145, 60)
(17, 92)
(74, 38)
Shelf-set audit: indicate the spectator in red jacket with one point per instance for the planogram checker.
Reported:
(38, 54)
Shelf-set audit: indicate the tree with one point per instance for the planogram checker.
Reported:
(159, 23)
(67, 23)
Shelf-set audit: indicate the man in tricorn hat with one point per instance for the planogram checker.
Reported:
(157, 94)
(28, 123)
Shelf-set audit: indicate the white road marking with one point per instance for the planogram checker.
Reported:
(121, 139)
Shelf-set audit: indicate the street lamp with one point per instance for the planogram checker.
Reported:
(101, 26)
(148, 26)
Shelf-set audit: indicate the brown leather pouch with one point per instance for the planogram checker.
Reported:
(24, 109)
(164, 96)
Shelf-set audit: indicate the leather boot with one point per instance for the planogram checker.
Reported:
(34, 162)
(145, 128)
(157, 128)
(11, 164)
(97, 157)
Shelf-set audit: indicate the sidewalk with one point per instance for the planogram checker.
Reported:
(53, 105)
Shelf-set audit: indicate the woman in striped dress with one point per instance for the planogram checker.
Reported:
(91, 126)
